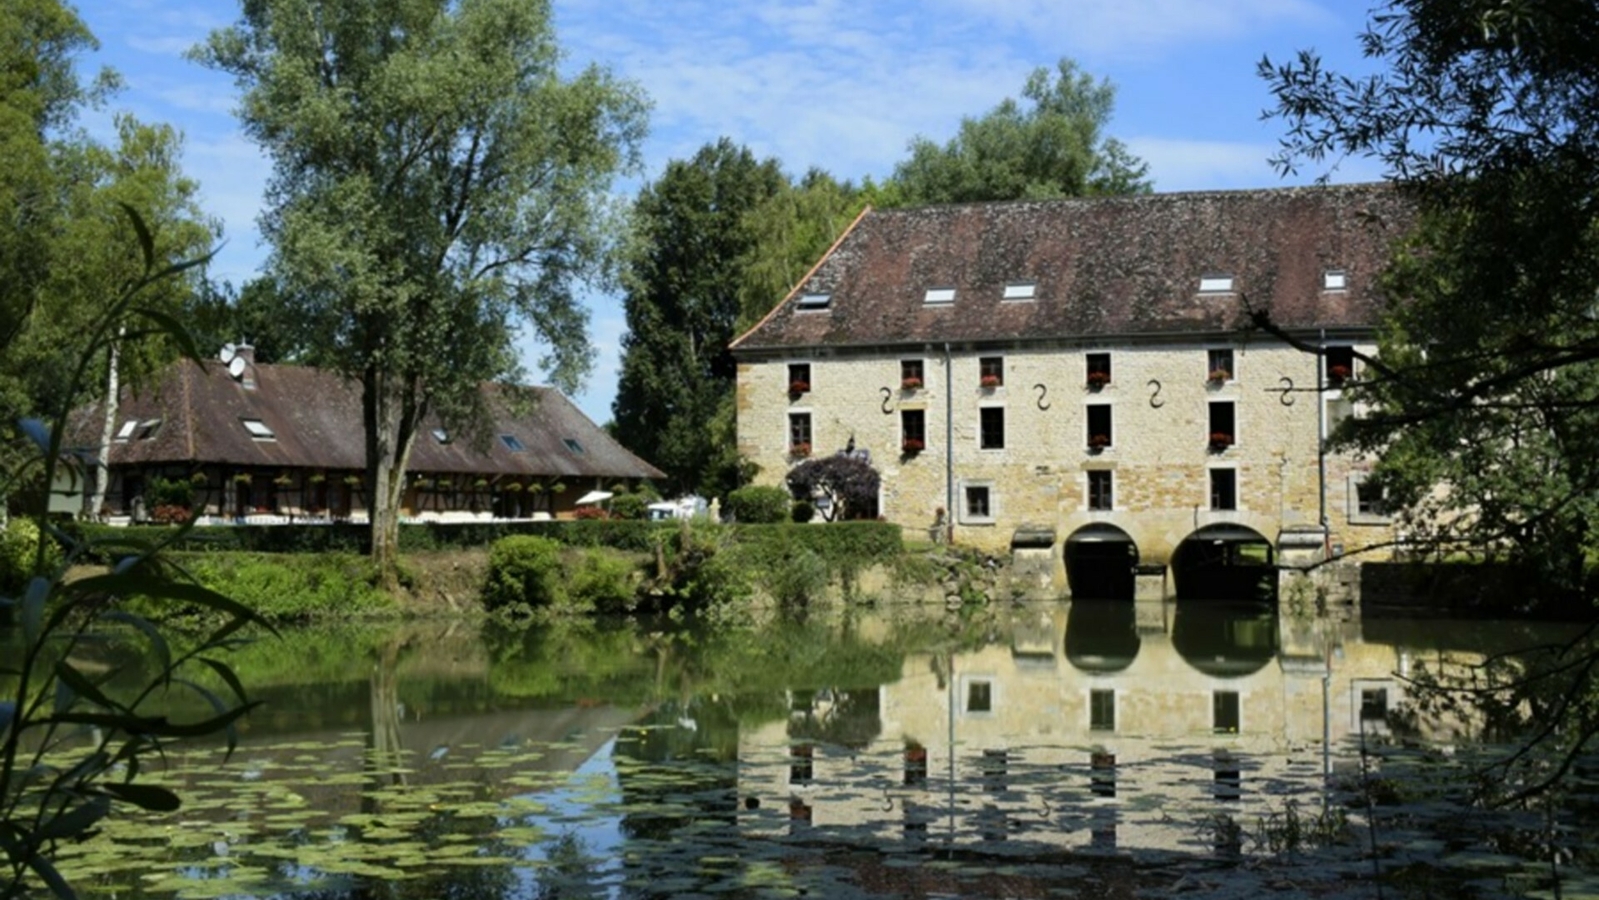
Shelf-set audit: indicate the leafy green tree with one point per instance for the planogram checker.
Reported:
(1484, 397)
(65, 235)
(1052, 146)
(683, 304)
(437, 182)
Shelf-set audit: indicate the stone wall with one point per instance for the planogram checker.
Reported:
(1160, 402)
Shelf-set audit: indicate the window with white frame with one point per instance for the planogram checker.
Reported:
(1219, 365)
(977, 503)
(259, 430)
(1367, 501)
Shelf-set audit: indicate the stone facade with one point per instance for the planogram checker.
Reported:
(1159, 455)
(1140, 367)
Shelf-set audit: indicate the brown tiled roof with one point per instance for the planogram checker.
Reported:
(1103, 267)
(315, 416)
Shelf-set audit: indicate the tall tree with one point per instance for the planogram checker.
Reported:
(1484, 397)
(683, 303)
(1053, 146)
(65, 240)
(436, 182)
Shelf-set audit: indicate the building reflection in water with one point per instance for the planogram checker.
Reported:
(1097, 725)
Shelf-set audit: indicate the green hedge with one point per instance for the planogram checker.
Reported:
(838, 542)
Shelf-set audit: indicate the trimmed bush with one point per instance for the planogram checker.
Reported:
(524, 570)
(630, 506)
(804, 511)
(759, 504)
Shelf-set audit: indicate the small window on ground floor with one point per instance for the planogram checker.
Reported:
(1100, 487)
(977, 503)
(1223, 489)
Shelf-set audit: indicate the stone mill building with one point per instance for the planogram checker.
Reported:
(1080, 382)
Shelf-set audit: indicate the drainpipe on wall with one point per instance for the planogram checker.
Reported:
(1321, 444)
(949, 450)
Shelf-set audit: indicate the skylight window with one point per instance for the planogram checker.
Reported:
(573, 445)
(939, 295)
(147, 430)
(1334, 280)
(1215, 284)
(513, 443)
(815, 301)
(441, 435)
(127, 430)
(1020, 290)
(258, 430)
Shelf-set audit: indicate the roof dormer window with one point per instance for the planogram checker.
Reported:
(814, 301)
(127, 430)
(1021, 290)
(258, 430)
(1215, 283)
(572, 445)
(513, 443)
(939, 296)
(441, 435)
(1334, 280)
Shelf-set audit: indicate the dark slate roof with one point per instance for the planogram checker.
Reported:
(1104, 267)
(315, 416)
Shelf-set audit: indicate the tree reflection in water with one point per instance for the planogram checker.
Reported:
(1126, 745)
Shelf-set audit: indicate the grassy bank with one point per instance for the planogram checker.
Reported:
(600, 566)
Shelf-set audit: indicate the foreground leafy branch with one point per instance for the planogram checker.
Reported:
(74, 739)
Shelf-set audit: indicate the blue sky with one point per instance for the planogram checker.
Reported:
(829, 83)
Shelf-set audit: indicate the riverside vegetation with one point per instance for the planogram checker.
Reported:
(297, 574)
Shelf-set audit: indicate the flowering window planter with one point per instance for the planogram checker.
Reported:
(796, 388)
(1098, 442)
(1097, 380)
(911, 384)
(1220, 441)
(800, 450)
(911, 446)
(990, 381)
(1338, 374)
(1219, 376)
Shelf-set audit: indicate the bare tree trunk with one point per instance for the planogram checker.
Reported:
(94, 501)
(391, 412)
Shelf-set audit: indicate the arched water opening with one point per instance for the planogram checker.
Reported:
(1225, 562)
(1102, 636)
(1225, 639)
(1101, 562)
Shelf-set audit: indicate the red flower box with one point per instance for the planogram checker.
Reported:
(800, 449)
(799, 387)
(991, 381)
(911, 446)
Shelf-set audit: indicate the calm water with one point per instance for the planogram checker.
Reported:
(1070, 750)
